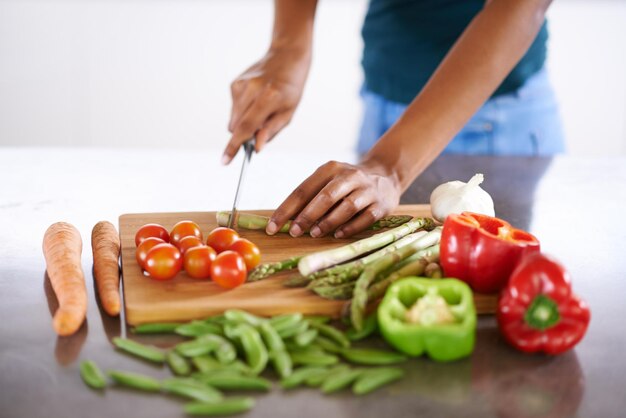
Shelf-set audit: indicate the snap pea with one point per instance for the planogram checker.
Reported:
(370, 326)
(192, 389)
(373, 357)
(318, 379)
(204, 345)
(277, 352)
(271, 337)
(305, 338)
(239, 316)
(340, 380)
(232, 381)
(143, 351)
(281, 322)
(226, 406)
(300, 375)
(177, 363)
(156, 328)
(281, 360)
(135, 380)
(313, 359)
(216, 319)
(205, 363)
(332, 333)
(198, 328)
(297, 328)
(320, 319)
(256, 352)
(373, 379)
(224, 350)
(92, 375)
(327, 344)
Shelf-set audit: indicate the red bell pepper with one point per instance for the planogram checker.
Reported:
(537, 311)
(482, 250)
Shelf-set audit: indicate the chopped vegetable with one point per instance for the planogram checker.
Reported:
(456, 197)
(538, 311)
(62, 247)
(105, 245)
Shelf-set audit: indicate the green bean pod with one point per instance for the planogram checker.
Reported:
(179, 365)
(372, 357)
(271, 337)
(281, 322)
(92, 375)
(205, 363)
(305, 338)
(228, 406)
(199, 346)
(314, 359)
(332, 333)
(139, 350)
(224, 350)
(298, 376)
(256, 352)
(370, 326)
(297, 328)
(198, 329)
(243, 317)
(318, 379)
(320, 319)
(327, 344)
(192, 389)
(373, 379)
(340, 380)
(232, 381)
(135, 380)
(156, 328)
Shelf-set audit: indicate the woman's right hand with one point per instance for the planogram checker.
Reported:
(265, 97)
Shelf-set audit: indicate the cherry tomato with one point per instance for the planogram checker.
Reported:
(250, 252)
(221, 238)
(163, 262)
(228, 269)
(145, 246)
(151, 230)
(188, 242)
(198, 261)
(184, 229)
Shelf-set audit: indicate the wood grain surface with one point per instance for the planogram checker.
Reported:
(183, 298)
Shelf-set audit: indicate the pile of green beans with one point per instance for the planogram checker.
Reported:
(230, 351)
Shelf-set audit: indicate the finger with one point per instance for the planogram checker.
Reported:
(363, 221)
(319, 206)
(298, 199)
(243, 93)
(274, 124)
(350, 206)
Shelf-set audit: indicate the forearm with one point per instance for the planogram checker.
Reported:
(482, 57)
(293, 24)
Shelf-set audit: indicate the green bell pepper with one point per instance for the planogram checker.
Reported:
(426, 316)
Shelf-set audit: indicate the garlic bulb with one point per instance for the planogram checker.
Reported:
(457, 197)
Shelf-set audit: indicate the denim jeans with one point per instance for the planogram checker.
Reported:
(525, 122)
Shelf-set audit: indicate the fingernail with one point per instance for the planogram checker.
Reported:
(225, 159)
(339, 234)
(295, 230)
(316, 231)
(271, 228)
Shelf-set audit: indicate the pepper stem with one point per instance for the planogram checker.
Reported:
(542, 313)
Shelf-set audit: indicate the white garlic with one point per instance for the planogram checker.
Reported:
(458, 197)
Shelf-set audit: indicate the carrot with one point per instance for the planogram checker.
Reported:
(62, 247)
(105, 243)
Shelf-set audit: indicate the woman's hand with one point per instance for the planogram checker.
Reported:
(265, 97)
(339, 197)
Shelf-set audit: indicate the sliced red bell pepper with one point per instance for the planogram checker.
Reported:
(537, 311)
(482, 250)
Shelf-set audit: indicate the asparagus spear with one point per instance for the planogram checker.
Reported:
(433, 270)
(341, 292)
(349, 271)
(360, 298)
(253, 221)
(267, 269)
(323, 259)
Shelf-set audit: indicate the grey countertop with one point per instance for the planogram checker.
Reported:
(574, 206)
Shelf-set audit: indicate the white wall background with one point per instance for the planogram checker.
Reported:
(139, 73)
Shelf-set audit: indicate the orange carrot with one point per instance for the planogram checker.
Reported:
(62, 247)
(105, 243)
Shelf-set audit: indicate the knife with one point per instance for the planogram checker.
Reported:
(248, 148)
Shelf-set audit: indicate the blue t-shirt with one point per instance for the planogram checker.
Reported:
(405, 40)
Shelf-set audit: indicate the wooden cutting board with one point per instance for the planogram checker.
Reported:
(183, 298)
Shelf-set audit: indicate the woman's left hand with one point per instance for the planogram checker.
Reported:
(339, 197)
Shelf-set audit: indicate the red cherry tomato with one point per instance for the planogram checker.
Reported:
(198, 262)
(163, 262)
(188, 242)
(184, 229)
(221, 238)
(151, 230)
(248, 250)
(228, 269)
(145, 246)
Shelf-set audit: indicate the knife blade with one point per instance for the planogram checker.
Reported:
(248, 148)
